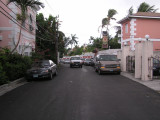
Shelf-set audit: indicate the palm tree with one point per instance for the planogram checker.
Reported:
(130, 11)
(66, 41)
(144, 7)
(24, 4)
(73, 40)
(106, 21)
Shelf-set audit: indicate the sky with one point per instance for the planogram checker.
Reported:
(83, 17)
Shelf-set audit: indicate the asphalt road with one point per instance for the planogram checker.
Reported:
(81, 94)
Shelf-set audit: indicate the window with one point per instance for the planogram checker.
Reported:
(30, 19)
(126, 28)
(26, 53)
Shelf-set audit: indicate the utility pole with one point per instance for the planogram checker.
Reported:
(56, 43)
(57, 36)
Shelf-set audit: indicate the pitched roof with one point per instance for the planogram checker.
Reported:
(147, 15)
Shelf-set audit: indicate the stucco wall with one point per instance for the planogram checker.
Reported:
(126, 35)
(9, 31)
(138, 29)
(148, 26)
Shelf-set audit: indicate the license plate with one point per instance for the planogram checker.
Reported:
(76, 64)
(35, 75)
(111, 70)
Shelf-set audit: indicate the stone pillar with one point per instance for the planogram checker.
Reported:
(125, 53)
(138, 60)
(147, 51)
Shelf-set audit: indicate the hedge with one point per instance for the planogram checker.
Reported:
(12, 66)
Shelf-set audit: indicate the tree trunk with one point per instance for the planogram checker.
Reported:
(19, 38)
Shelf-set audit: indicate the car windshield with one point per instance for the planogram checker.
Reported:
(40, 64)
(75, 58)
(108, 58)
(88, 60)
(67, 60)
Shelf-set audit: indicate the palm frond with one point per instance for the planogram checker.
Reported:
(111, 13)
(130, 11)
(145, 7)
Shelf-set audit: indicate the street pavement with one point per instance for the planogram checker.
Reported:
(81, 94)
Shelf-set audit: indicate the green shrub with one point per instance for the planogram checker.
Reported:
(3, 77)
(12, 66)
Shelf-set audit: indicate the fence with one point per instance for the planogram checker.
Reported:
(130, 64)
(154, 67)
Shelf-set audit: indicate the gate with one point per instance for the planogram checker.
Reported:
(154, 67)
(130, 64)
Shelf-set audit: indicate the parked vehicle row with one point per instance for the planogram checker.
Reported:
(102, 63)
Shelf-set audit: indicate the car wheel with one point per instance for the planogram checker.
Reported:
(50, 76)
(95, 69)
(99, 72)
(118, 73)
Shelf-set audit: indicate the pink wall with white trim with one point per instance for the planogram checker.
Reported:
(126, 35)
(143, 27)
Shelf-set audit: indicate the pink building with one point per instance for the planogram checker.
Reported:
(135, 27)
(10, 28)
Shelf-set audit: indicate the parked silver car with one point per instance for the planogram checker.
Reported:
(87, 61)
(76, 61)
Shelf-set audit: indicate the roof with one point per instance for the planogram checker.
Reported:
(147, 15)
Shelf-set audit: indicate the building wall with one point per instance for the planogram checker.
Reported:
(9, 31)
(126, 35)
(148, 26)
(138, 29)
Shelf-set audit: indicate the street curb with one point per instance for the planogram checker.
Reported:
(12, 85)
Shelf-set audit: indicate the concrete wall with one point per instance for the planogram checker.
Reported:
(125, 53)
(142, 54)
(138, 60)
(147, 52)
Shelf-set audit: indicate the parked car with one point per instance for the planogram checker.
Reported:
(83, 60)
(87, 61)
(156, 67)
(42, 69)
(75, 61)
(106, 63)
(92, 62)
(67, 61)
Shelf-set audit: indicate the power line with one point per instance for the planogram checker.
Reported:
(18, 21)
(49, 5)
(25, 28)
(34, 21)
